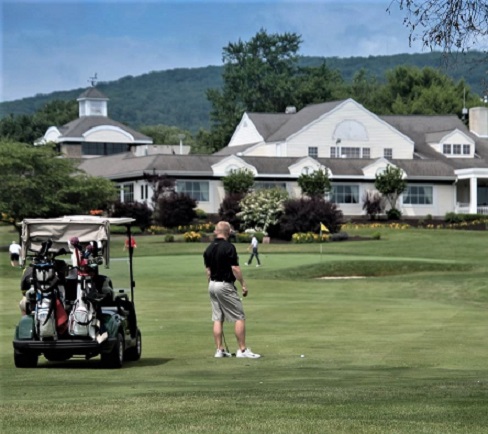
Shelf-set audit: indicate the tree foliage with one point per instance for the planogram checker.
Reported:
(176, 209)
(238, 181)
(446, 24)
(257, 78)
(391, 184)
(306, 214)
(28, 128)
(427, 91)
(230, 208)
(37, 184)
(314, 184)
(139, 211)
(166, 135)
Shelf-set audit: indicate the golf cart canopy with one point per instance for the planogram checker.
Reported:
(59, 230)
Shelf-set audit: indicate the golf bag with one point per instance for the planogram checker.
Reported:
(45, 284)
(83, 319)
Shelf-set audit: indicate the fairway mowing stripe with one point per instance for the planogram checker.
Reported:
(341, 277)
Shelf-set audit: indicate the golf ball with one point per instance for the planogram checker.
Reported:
(303, 355)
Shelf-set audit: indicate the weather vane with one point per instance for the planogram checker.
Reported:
(93, 80)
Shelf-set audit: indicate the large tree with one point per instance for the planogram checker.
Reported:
(412, 90)
(37, 184)
(257, 77)
(263, 75)
(446, 24)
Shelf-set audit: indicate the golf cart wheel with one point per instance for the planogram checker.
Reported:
(134, 353)
(115, 358)
(25, 360)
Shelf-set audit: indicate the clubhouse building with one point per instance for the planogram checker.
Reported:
(444, 162)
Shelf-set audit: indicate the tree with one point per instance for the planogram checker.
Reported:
(166, 135)
(37, 184)
(257, 77)
(316, 85)
(447, 24)
(391, 184)
(28, 128)
(139, 211)
(314, 184)
(238, 181)
(262, 209)
(411, 90)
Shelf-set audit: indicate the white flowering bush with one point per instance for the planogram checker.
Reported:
(262, 208)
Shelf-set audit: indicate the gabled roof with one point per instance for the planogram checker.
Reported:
(275, 127)
(303, 118)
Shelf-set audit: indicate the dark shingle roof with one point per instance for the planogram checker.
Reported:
(92, 93)
(83, 124)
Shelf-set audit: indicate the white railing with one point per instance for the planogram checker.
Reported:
(463, 208)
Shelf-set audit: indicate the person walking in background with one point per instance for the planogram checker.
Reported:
(253, 247)
(132, 242)
(14, 251)
(222, 268)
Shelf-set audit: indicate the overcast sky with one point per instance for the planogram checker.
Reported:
(48, 46)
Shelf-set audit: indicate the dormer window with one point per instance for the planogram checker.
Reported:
(313, 151)
(446, 149)
(466, 149)
(456, 149)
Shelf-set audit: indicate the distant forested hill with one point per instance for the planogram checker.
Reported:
(177, 97)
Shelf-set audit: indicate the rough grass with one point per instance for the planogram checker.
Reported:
(403, 350)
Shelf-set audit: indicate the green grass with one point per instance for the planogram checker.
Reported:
(403, 350)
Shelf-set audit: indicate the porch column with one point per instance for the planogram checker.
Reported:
(473, 195)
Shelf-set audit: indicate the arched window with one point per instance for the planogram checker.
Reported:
(350, 130)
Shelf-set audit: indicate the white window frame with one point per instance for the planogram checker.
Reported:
(344, 194)
(419, 197)
(313, 151)
(200, 195)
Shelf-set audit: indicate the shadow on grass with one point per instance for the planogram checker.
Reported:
(97, 364)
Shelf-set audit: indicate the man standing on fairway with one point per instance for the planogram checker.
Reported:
(222, 267)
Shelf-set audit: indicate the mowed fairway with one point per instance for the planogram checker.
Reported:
(402, 350)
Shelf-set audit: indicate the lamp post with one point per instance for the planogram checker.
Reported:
(181, 137)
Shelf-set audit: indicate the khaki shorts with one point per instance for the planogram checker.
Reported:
(225, 302)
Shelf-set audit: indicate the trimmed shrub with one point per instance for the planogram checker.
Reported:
(176, 209)
(139, 211)
(306, 214)
(229, 208)
(394, 214)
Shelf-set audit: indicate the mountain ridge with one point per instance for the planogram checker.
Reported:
(177, 97)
